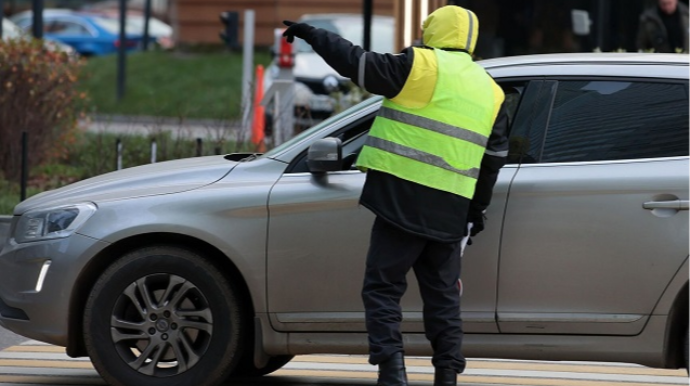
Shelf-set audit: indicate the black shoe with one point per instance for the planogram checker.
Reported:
(392, 371)
(445, 377)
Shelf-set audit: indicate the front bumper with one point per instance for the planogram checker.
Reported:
(35, 311)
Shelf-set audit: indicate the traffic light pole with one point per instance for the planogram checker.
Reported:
(37, 14)
(367, 11)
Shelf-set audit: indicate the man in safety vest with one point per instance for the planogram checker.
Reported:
(432, 158)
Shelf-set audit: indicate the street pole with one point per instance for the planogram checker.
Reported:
(367, 12)
(147, 17)
(37, 26)
(247, 68)
(122, 52)
(2, 15)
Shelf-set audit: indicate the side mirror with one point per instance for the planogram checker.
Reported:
(325, 155)
(581, 22)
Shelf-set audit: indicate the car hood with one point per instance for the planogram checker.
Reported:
(311, 65)
(153, 179)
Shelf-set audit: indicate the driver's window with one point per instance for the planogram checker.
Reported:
(352, 137)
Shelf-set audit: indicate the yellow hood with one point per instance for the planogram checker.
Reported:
(451, 27)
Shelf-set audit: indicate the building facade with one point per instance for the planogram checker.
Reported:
(197, 21)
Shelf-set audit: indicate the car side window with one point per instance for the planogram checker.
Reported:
(614, 120)
(352, 137)
(67, 28)
(526, 111)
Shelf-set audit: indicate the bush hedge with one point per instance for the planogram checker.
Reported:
(37, 96)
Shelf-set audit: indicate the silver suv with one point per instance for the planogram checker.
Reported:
(191, 271)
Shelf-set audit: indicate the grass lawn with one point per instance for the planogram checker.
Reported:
(190, 85)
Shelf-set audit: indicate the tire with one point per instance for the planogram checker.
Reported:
(188, 333)
(247, 368)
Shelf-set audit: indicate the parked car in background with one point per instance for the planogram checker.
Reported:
(89, 35)
(315, 79)
(24, 19)
(188, 271)
(161, 33)
(12, 31)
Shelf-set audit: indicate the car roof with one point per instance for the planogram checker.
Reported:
(587, 58)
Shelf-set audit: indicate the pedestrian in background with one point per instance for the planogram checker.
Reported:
(664, 27)
(432, 158)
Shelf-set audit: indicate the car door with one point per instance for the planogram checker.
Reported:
(597, 222)
(318, 241)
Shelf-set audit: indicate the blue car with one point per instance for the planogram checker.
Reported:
(90, 35)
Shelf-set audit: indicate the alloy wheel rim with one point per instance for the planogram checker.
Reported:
(161, 325)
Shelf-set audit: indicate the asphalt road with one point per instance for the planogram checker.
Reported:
(8, 339)
(34, 363)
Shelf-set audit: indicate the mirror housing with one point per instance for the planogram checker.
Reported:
(325, 155)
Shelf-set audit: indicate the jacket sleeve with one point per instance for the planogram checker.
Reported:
(494, 158)
(382, 74)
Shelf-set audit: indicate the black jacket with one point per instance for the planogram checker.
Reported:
(434, 214)
(654, 34)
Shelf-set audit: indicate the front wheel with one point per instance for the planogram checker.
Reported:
(163, 316)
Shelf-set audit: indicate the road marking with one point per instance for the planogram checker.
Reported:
(35, 363)
(26, 348)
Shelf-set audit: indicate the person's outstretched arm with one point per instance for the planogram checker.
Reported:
(382, 74)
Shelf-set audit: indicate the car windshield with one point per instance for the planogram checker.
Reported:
(279, 149)
(352, 30)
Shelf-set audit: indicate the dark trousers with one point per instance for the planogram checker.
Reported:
(436, 265)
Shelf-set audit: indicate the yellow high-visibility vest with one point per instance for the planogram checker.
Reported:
(435, 133)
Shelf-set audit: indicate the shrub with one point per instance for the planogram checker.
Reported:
(37, 95)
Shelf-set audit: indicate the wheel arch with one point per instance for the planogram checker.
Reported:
(99, 263)
(676, 327)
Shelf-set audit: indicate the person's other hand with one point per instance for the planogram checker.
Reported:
(477, 225)
(300, 30)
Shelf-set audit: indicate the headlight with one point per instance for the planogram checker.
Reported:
(52, 223)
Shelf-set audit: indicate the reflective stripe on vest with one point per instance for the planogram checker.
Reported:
(419, 155)
(436, 126)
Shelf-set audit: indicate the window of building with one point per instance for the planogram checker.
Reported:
(615, 120)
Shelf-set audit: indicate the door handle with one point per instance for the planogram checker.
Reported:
(672, 204)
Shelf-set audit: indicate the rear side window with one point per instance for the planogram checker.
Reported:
(615, 120)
